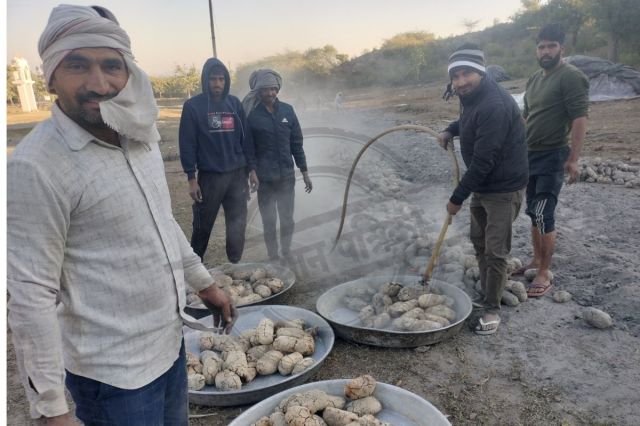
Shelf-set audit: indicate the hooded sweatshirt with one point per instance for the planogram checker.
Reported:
(214, 135)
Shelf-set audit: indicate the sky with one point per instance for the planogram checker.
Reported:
(166, 33)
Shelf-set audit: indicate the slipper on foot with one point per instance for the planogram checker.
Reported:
(486, 328)
(539, 289)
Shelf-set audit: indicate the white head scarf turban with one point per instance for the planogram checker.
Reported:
(133, 111)
(260, 79)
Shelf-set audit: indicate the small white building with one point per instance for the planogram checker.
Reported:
(22, 79)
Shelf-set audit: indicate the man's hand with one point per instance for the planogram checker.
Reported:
(63, 420)
(308, 186)
(571, 168)
(217, 301)
(452, 209)
(194, 191)
(444, 139)
(254, 183)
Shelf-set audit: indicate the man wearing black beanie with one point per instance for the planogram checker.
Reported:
(493, 147)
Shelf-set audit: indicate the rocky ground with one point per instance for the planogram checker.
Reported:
(545, 366)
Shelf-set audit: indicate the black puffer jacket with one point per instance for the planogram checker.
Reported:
(277, 138)
(492, 141)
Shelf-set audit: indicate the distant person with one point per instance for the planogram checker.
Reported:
(277, 136)
(556, 104)
(96, 263)
(339, 99)
(493, 148)
(216, 151)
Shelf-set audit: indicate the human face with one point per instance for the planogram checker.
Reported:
(86, 77)
(216, 85)
(549, 54)
(465, 80)
(268, 95)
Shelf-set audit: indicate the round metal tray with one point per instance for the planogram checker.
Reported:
(262, 386)
(347, 325)
(285, 274)
(400, 407)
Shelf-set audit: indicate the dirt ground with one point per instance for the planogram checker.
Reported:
(545, 366)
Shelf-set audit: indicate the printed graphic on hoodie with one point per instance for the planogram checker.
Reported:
(221, 122)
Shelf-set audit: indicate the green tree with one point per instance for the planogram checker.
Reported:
(417, 59)
(571, 14)
(39, 84)
(411, 38)
(618, 19)
(12, 90)
(159, 86)
(531, 5)
(470, 24)
(188, 79)
(321, 61)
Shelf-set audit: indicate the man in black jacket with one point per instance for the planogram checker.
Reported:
(492, 141)
(215, 143)
(278, 142)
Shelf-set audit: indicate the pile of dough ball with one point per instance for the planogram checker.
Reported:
(228, 362)
(402, 308)
(358, 407)
(244, 286)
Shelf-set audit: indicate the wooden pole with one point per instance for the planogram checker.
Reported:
(213, 33)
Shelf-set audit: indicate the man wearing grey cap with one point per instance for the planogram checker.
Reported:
(492, 142)
(277, 138)
(96, 263)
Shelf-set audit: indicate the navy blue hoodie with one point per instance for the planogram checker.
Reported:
(214, 135)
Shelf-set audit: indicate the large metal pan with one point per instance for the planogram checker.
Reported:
(400, 407)
(262, 386)
(347, 325)
(285, 274)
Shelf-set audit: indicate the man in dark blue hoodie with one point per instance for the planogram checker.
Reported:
(493, 148)
(217, 154)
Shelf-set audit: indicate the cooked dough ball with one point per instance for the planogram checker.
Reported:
(275, 285)
(302, 365)
(256, 352)
(265, 331)
(336, 417)
(268, 363)
(228, 380)
(391, 289)
(360, 387)
(288, 362)
(509, 298)
(413, 292)
(366, 405)
(442, 311)
(262, 291)
(195, 382)
(258, 274)
(561, 296)
(597, 318)
(400, 308)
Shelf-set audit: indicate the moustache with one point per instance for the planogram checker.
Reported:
(94, 97)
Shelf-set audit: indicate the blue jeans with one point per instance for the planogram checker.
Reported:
(162, 402)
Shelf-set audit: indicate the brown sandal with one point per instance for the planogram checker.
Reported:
(539, 290)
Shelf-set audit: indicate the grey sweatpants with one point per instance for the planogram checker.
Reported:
(492, 215)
